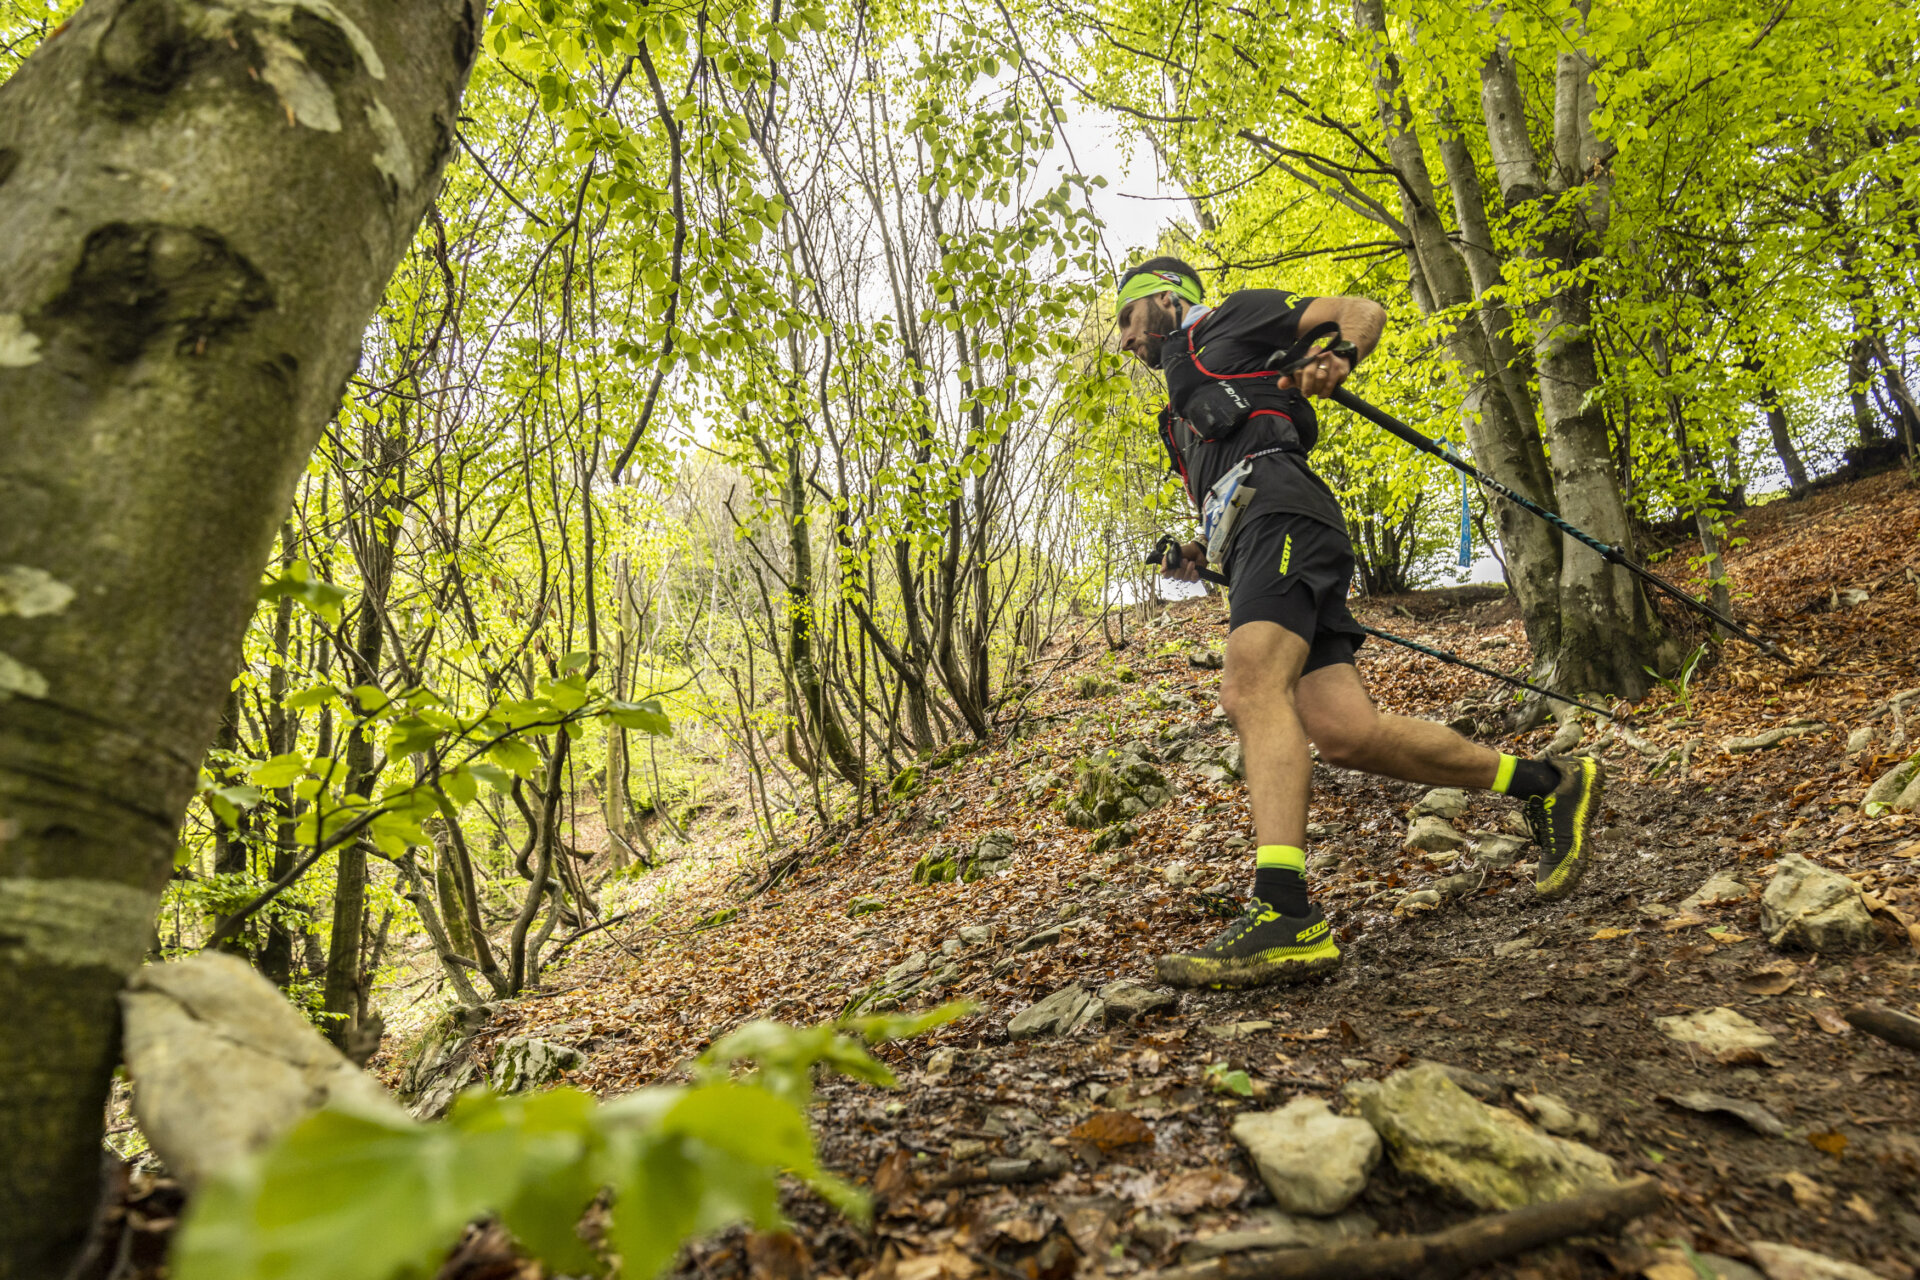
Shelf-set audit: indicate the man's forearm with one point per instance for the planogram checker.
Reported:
(1361, 320)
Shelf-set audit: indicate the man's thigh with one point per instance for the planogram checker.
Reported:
(1334, 704)
(1263, 659)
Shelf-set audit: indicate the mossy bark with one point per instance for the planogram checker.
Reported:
(188, 256)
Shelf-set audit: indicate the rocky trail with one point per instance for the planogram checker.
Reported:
(1682, 1017)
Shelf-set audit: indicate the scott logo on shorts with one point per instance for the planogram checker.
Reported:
(1286, 554)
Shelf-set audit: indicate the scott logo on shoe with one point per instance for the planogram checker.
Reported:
(1313, 931)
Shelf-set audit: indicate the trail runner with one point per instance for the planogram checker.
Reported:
(1239, 435)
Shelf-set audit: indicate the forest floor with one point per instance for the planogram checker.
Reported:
(1556, 997)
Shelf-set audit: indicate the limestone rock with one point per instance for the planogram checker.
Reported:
(1177, 874)
(938, 865)
(1488, 1156)
(1441, 802)
(864, 906)
(1491, 849)
(1890, 786)
(1860, 739)
(1516, 824)
(1721, 1032)
(1809, 908)
(222, 1065)
(1551, 1112)
(1089, 685)
(1787, 1262)
(1514, 947)
(1126, 1001)
(1113, 788)
(991, 854)
(1422, 898)
(1206, 659)
(1117, 836)
(1720, 890)
(913, 964)
(1063, 1011)
(1908, 800)
(979, 935)
(1313, 1161)
(1034, 941)
(1283, 1231)
(1042, 785)
(528, 1062)
(1429, 834)
(940, 1063)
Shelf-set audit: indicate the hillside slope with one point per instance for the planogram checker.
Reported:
(1558, 998)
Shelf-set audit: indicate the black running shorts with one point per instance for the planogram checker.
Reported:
(1295, 571)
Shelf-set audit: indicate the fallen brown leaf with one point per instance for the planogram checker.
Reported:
(1197, 1189)
(1111, 1130)
(1768, 984)
(1833, 1142)
(1831, 1022)
(1807, 1193)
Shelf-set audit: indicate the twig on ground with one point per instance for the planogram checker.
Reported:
(1894, 1028)
(1443, 1254)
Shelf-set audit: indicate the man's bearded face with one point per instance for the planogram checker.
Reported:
(1144, 327)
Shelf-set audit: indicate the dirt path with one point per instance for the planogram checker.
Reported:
(1537, 997)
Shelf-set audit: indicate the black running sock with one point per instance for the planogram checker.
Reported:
(1524, 779)
(1280, 878)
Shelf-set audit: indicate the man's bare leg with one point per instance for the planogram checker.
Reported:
(1276, 940)
(1339, 716)
(1257, 692)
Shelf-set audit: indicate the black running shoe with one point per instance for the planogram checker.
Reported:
(1562, 825)
(1262, 946)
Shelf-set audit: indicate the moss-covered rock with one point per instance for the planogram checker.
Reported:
(938, 865)
(1042, 785)
(1089, 685)
(1126, 675)
(991, 854)
(1117, 836)
(907, 783)
(952, 753)
(1112, 788)
(863, 906)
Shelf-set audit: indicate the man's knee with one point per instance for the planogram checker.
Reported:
(1345, 747)
(1247, 693)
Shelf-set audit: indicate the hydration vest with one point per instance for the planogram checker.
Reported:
(1230, 417)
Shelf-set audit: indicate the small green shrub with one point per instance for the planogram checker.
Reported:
(365, 1196)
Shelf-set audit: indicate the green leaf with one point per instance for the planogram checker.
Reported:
(344, 1197)
(514, 756)
(459, 786)
(647, 717)
(410, 735)
(317, 695)
(279, 771)
(747, 1122)
(493, 775)
(370, 698)
(321, 598)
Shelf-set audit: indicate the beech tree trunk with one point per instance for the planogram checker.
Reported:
(1608, 632)
(1496, 434)
(199, 208)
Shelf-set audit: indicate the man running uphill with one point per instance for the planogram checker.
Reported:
(1240, 434)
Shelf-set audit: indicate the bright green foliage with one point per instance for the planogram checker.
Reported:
(348, 1196)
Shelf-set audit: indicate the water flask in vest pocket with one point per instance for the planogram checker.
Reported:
(1221, 509)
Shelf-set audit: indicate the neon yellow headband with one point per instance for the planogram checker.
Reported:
(1146, 284)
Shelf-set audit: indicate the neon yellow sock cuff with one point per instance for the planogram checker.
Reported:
(1285, 856)
(1503, 776)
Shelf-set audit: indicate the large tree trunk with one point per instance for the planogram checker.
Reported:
(187, 262)
(1608, 633)
(1496, 435)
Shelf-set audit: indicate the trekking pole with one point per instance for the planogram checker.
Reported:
(1611, 554)
(1167, 552)
(1289, 361)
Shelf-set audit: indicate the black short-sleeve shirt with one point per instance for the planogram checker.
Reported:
(1240, 336)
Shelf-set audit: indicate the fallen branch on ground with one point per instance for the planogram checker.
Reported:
(1443, 1254)
(1894, 1028)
